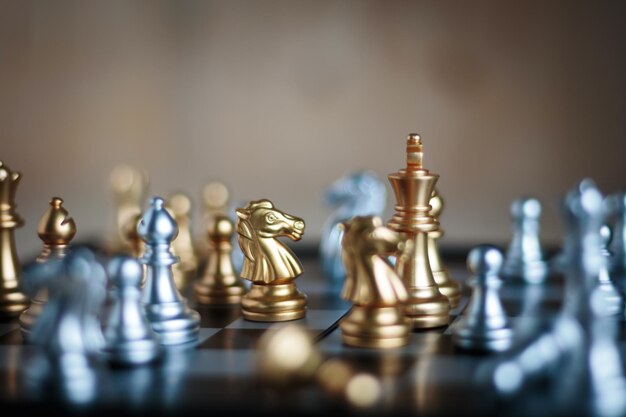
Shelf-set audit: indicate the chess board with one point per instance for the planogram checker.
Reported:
(429, 376)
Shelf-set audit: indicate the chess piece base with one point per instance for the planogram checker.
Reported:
(174, 323)
(28, 318)
(496, 340)
(219, 294)
(375, 327)
(448, 287)
(12, 302)
(281, 302)
(427, 308)
(134, 352)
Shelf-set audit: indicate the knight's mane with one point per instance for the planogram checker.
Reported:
(244, 237)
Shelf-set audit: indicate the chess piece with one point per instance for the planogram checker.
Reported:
(12, 301)
(129, 338)
(133, 241)
(376, 319)
(166, 310)
(612, 300)
(413, 186)
(447, 286)
(179, 206)
(615, 206)
(56, 229)
(269, 264)
(484, 326)
(129, 186)
(360, 193)
(219, 283)
(524, 258)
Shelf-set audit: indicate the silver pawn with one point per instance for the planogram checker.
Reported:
(166, 309)
(129, 338)
(485, 326)
(524, 258)
(615, 205)
(612, 300)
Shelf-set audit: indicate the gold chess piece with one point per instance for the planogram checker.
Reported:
(179, 206)
(269, 264)
(376, 319)
(130, 187)
(447, 286)
(12, 301)
(215, 200)
(132, 239)
(56, 229)
(219, 283)
(413, 186)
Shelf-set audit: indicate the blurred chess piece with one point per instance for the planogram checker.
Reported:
(447, 286)
(219, 284)
(179, 206)
(484, 326)
(287, 358)
(129, 186)
(269, 264)
(413, 186)
(56, 229)
(216, 200)
(129, 338)
(12, 301)
(166, 309)
(524, 258)
(615, 207)
(133, 241)
(376, 319)
(359, 193)
(613, 301)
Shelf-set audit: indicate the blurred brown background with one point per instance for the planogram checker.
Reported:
(279, 98)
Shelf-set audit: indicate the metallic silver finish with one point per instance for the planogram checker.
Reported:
(615, 206)
(612, 299)
(485, 326)
(166, 309)
(578, 355)
(129, 338)
(524, 258)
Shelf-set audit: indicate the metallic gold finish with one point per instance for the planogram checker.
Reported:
(12, 301)
(376, 319)
(269, 264)
(133, 241)
(56, 229)
(215, 200)
(179, 206)
(447, 286)
(413, 186)
(219, 283)
(130, 187)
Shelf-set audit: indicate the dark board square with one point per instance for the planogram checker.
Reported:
(233, 339)
(218, 316)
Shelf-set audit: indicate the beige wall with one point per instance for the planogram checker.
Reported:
(278, 98)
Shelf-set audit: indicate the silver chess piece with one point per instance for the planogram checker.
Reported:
(485, 326)
(166, 309)
(612, 300)
(615, 206)
(524, 258)
(129, 338)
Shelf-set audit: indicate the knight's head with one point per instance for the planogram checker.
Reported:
(355, 185)
(366, 235)
(269, 222)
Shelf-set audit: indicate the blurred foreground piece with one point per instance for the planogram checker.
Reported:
(447, 286)
(269, 264)
(179, 206)
(287, 358)
(616, 208)
(129, 338)
(12, 301)
(56, 229)
(130, 187)
(612, 299)
(484, 327)
(579, 356)
(219, 284)
(426, 307)
(166, 309)
(376, 319)
(524, 257)
(361, 193)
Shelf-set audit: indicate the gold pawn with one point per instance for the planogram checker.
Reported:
(179, 206)
(215, 200)
(413, 186)
(12, 301)
(447, 286)
(219, 283)
(56, 229)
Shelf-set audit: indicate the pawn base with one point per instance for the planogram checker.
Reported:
(427, 308)
(219, 294)
(497, 340)
(12, 302)
(174, 323)
(375, 327)
(272, 303)
(448, 287)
